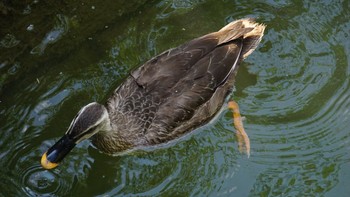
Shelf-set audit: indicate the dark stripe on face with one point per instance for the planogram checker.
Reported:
(87, 118)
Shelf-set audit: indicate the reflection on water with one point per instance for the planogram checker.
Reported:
(293, 92)
(52, 36)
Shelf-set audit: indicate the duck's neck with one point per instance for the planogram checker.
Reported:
(109, 140)
(109, 144)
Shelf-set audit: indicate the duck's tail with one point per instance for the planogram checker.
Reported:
(251, 32)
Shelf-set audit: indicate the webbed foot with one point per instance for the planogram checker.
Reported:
(242, 137)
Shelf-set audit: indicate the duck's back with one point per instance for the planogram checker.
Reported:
(182, 88)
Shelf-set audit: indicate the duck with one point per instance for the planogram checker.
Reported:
(167, 97)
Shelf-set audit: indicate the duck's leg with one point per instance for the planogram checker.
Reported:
(242, 137)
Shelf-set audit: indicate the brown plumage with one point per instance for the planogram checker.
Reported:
(171, 94)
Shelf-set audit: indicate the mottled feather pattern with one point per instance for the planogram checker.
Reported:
(193, 91)
(180, 89)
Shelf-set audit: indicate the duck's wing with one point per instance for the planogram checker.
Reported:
(186, 78)
(166, 69)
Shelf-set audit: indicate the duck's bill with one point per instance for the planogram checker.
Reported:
(57, 152)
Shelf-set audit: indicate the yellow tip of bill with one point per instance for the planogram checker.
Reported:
(46, 163)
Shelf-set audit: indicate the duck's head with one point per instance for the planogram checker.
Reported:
(90, 119)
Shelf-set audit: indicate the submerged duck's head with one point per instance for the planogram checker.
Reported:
(90, 119)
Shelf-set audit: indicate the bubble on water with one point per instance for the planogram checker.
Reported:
(30, 27)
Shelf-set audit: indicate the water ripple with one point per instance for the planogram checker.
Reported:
(297, 108)
(41, 182)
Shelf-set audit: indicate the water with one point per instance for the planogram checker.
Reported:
(293, 92)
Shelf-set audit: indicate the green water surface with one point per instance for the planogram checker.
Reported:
(57, 56)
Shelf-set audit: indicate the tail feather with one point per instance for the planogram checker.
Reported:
(248, 29)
